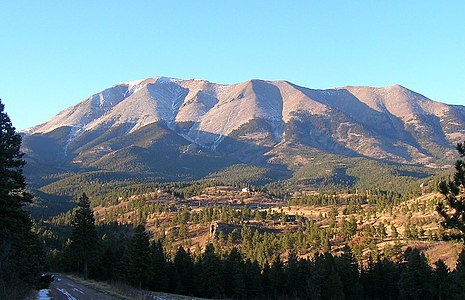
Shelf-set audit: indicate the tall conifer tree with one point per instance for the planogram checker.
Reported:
(211, 284)
(183, 272)
(84, 235)
(415, 279)
(139, 261)
(159, 267)
(21, 255)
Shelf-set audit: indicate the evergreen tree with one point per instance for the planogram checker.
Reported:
(293, 278)
(441, 281)
(159, 267)
(389, 280)
(347, 269)
(122, 265)
(110, 266)
(84, 240)
(334, 288)
(415, 279)
(21, 255)
(370, 279)
(106, 266)
(454, 193)
(234, 273)
(211, 284)
(458, 276)
(253, 280)
(183, 272)
(277, 277)
(266, 282)
(327, 280)
(380, 280)
(139, 258)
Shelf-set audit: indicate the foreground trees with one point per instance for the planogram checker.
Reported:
(211, 274)
(21, 254)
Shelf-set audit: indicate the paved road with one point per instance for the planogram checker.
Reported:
(64, 288)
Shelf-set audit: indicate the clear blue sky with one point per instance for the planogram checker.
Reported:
(54, 54)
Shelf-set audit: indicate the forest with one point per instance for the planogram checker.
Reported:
(212, 239)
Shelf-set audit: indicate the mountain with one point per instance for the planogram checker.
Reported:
(175, 129)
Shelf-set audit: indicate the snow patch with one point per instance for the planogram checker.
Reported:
(102, 100)
(221, 136)
(73, 134)
(133, 86)
(43, 295)
(132, 83)
(278, 129)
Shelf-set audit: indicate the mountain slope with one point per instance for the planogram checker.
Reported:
(187, 129)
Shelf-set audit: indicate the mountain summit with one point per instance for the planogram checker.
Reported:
(168, 126)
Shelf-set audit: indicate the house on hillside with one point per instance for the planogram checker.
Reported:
(291, 218)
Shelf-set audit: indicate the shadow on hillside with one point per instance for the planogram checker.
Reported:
(381, 125)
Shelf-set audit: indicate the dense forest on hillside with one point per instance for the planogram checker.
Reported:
(219, 274)
(244, 241)
(239, 234)
(281, 257)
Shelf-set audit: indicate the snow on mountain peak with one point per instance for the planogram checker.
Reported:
(206, 113)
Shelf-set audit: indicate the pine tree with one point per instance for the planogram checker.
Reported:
(415, 279)
(139, 258)
(106, 266)
(293, 278)
(84, 240)
(183, 272)
(253, 280)
(380, 280)
(454, 194)
(277, 277)
(327, 280)
(158, 265)
(458, 276)
(347, 269)
(211, 284)
(441, 281)
(234, 273)
(266, 282)
(21, 255)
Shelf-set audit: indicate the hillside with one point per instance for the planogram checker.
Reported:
(371, 224)
(270, 131)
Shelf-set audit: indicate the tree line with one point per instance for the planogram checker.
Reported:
(144, 263)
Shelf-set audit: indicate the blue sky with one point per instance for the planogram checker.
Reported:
(54, 54)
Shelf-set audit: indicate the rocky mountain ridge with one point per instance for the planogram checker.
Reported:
(143, 124)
